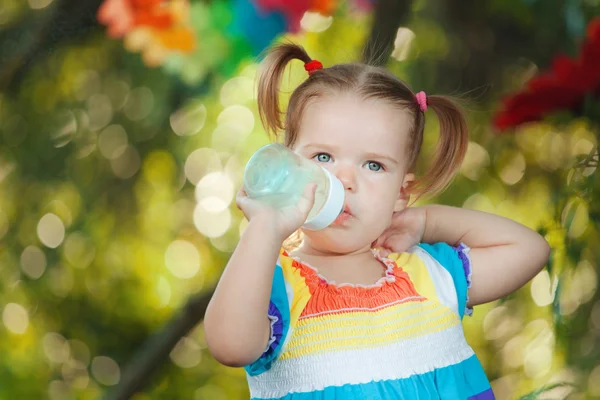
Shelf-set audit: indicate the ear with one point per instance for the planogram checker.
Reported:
(404, 195)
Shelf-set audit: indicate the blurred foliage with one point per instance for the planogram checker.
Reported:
(117, 181)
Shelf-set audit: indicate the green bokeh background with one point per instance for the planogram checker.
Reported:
(117, 181)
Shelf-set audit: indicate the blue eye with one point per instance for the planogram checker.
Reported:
(374, 166)
(323, 157)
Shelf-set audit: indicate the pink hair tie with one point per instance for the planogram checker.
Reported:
(422, 100)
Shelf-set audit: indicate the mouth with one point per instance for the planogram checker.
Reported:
(344, 216)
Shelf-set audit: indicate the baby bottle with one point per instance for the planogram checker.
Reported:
(278, 176)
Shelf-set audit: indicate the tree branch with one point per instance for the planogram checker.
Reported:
(156, 349)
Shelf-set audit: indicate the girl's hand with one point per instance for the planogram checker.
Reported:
(285, 221)
(406, 230)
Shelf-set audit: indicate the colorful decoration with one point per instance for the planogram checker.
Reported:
(257, 26)
(154, 28)
(295, 9)
(564, 87)
(192, 39)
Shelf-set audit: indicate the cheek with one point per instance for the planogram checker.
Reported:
(378, 209)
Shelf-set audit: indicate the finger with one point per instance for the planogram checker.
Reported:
(380, 240)
(307, 200)
(397, 243)
(383, 252)
(240, 197)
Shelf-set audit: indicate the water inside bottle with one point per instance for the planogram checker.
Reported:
(278, 178)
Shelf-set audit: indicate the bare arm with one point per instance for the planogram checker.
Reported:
(236, 323)
(504, 254)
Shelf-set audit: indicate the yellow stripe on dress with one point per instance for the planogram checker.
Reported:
(368, 318)
(304, 346)
(298, 291)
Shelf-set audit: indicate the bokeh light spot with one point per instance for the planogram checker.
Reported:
(75, 372)
(210, 224)
(56, 347)
(538, 361)
(51, 230)
(79, 250)
(201, 162)
(139, 104)
(33, 262)
(186, 353)
(239, 118)
(575, 218)
(106, 371)
(87, 83)
(315, 22)
(188, 120)
(59, 390)
(39, 4)
(127, 164)
(210, 391)
(100, 111)
(79, 351)
(215, 185)
(475, 162)
(594, 381)
(513, 169)
(112, 141)
(182, 259)
(541, 289)
(15, 318)
(587, 279)
(513, 350)
(403, 43)
(66, 128)
(237, 90)
(60, 281)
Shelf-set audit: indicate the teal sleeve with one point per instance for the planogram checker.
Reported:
(279, 315)
(457, 262)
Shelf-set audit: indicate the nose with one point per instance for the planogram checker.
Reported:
(347, 175)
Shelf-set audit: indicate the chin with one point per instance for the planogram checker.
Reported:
(337, 241)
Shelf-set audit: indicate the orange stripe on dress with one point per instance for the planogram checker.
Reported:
(395, 288)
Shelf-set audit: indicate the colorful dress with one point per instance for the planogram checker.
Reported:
(400, 338)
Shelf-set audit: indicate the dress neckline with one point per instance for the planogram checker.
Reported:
(387, 264)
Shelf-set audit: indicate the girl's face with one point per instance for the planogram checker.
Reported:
(363, 143)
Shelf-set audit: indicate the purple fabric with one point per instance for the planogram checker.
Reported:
(487, 395)
(465, 262)
(276, 327)
(462, 250)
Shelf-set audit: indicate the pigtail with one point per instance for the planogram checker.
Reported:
(451, 147)
(269, 83)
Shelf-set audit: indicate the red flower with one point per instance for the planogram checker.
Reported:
(562, 88)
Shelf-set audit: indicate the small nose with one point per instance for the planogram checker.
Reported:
(347, 175)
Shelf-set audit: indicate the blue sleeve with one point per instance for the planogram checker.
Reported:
(279, 315)
(457, 262)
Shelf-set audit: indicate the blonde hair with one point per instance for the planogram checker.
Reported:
(371, 83)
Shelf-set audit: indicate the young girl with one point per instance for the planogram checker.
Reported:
(335, 319)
